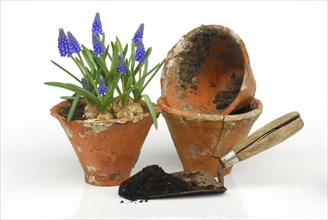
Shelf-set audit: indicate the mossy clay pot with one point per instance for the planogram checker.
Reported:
(207, 97)
(107, 149)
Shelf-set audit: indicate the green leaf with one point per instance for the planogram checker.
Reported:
(108, 97)
(156, 68)
(103, 39)
(88, 56)
(107, 53)
(73, 107)
(118, 90)
(129, 83)
(113, 45)
(103, 55)
(62, 68)
(148, 52)
(67, 97)
(89, 77)
(79, 65)
(115, 60)
(119, 46)
(88, 95)
(134, 87)
(125, 51)
(97, 75)
(145, 68)
(101, 62)
(79, 55)
(132, 61)
(151, 109)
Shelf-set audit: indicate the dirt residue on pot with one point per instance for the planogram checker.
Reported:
(192, 59)
(206, 68)
(224, 98)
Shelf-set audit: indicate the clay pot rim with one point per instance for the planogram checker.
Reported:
(211, 117)
(54, 112)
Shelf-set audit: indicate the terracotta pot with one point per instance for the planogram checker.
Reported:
(201, 139)
(107, 149)
(208, 71)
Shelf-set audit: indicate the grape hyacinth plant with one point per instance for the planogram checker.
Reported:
(112, 80)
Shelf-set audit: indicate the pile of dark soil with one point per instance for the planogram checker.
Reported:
(150, 181)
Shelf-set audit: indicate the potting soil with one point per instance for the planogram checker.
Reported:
(150, 181)
(78, 114)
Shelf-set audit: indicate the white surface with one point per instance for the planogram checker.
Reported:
(287, 44)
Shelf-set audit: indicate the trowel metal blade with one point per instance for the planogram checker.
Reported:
(201, 182)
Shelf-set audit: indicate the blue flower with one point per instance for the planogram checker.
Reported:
(102, 89)
(63, 44)
(140, 55)
(74, 46)
(98, 48)
(139, 34)
(96, 25)
(84, 84)
(121, 66)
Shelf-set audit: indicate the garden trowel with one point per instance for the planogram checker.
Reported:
(266, 137)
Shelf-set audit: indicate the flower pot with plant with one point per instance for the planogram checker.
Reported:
(108, 117)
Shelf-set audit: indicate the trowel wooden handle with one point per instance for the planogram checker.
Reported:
(266, 137)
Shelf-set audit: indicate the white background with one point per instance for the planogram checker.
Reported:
(287, 45)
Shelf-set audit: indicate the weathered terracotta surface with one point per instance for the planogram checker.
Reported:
(207, 97)
(201, 139)
(205, 62)
(107, 149)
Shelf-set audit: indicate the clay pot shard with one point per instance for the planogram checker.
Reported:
(208, 71)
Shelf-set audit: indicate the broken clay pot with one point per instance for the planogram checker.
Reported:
(207, 97)
(107, 149)
(201, 139)
(208, 71)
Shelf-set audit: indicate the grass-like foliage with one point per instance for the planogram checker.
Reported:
(108, 71)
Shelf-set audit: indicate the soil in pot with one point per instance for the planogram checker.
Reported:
(78, 114)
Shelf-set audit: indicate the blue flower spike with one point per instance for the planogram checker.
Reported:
(98, 48)
(96, 25)
(102, 86)
(139, 34)
(121, 66)
(140, 55)
(63, 44)
(74, 45)
(84, 84)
